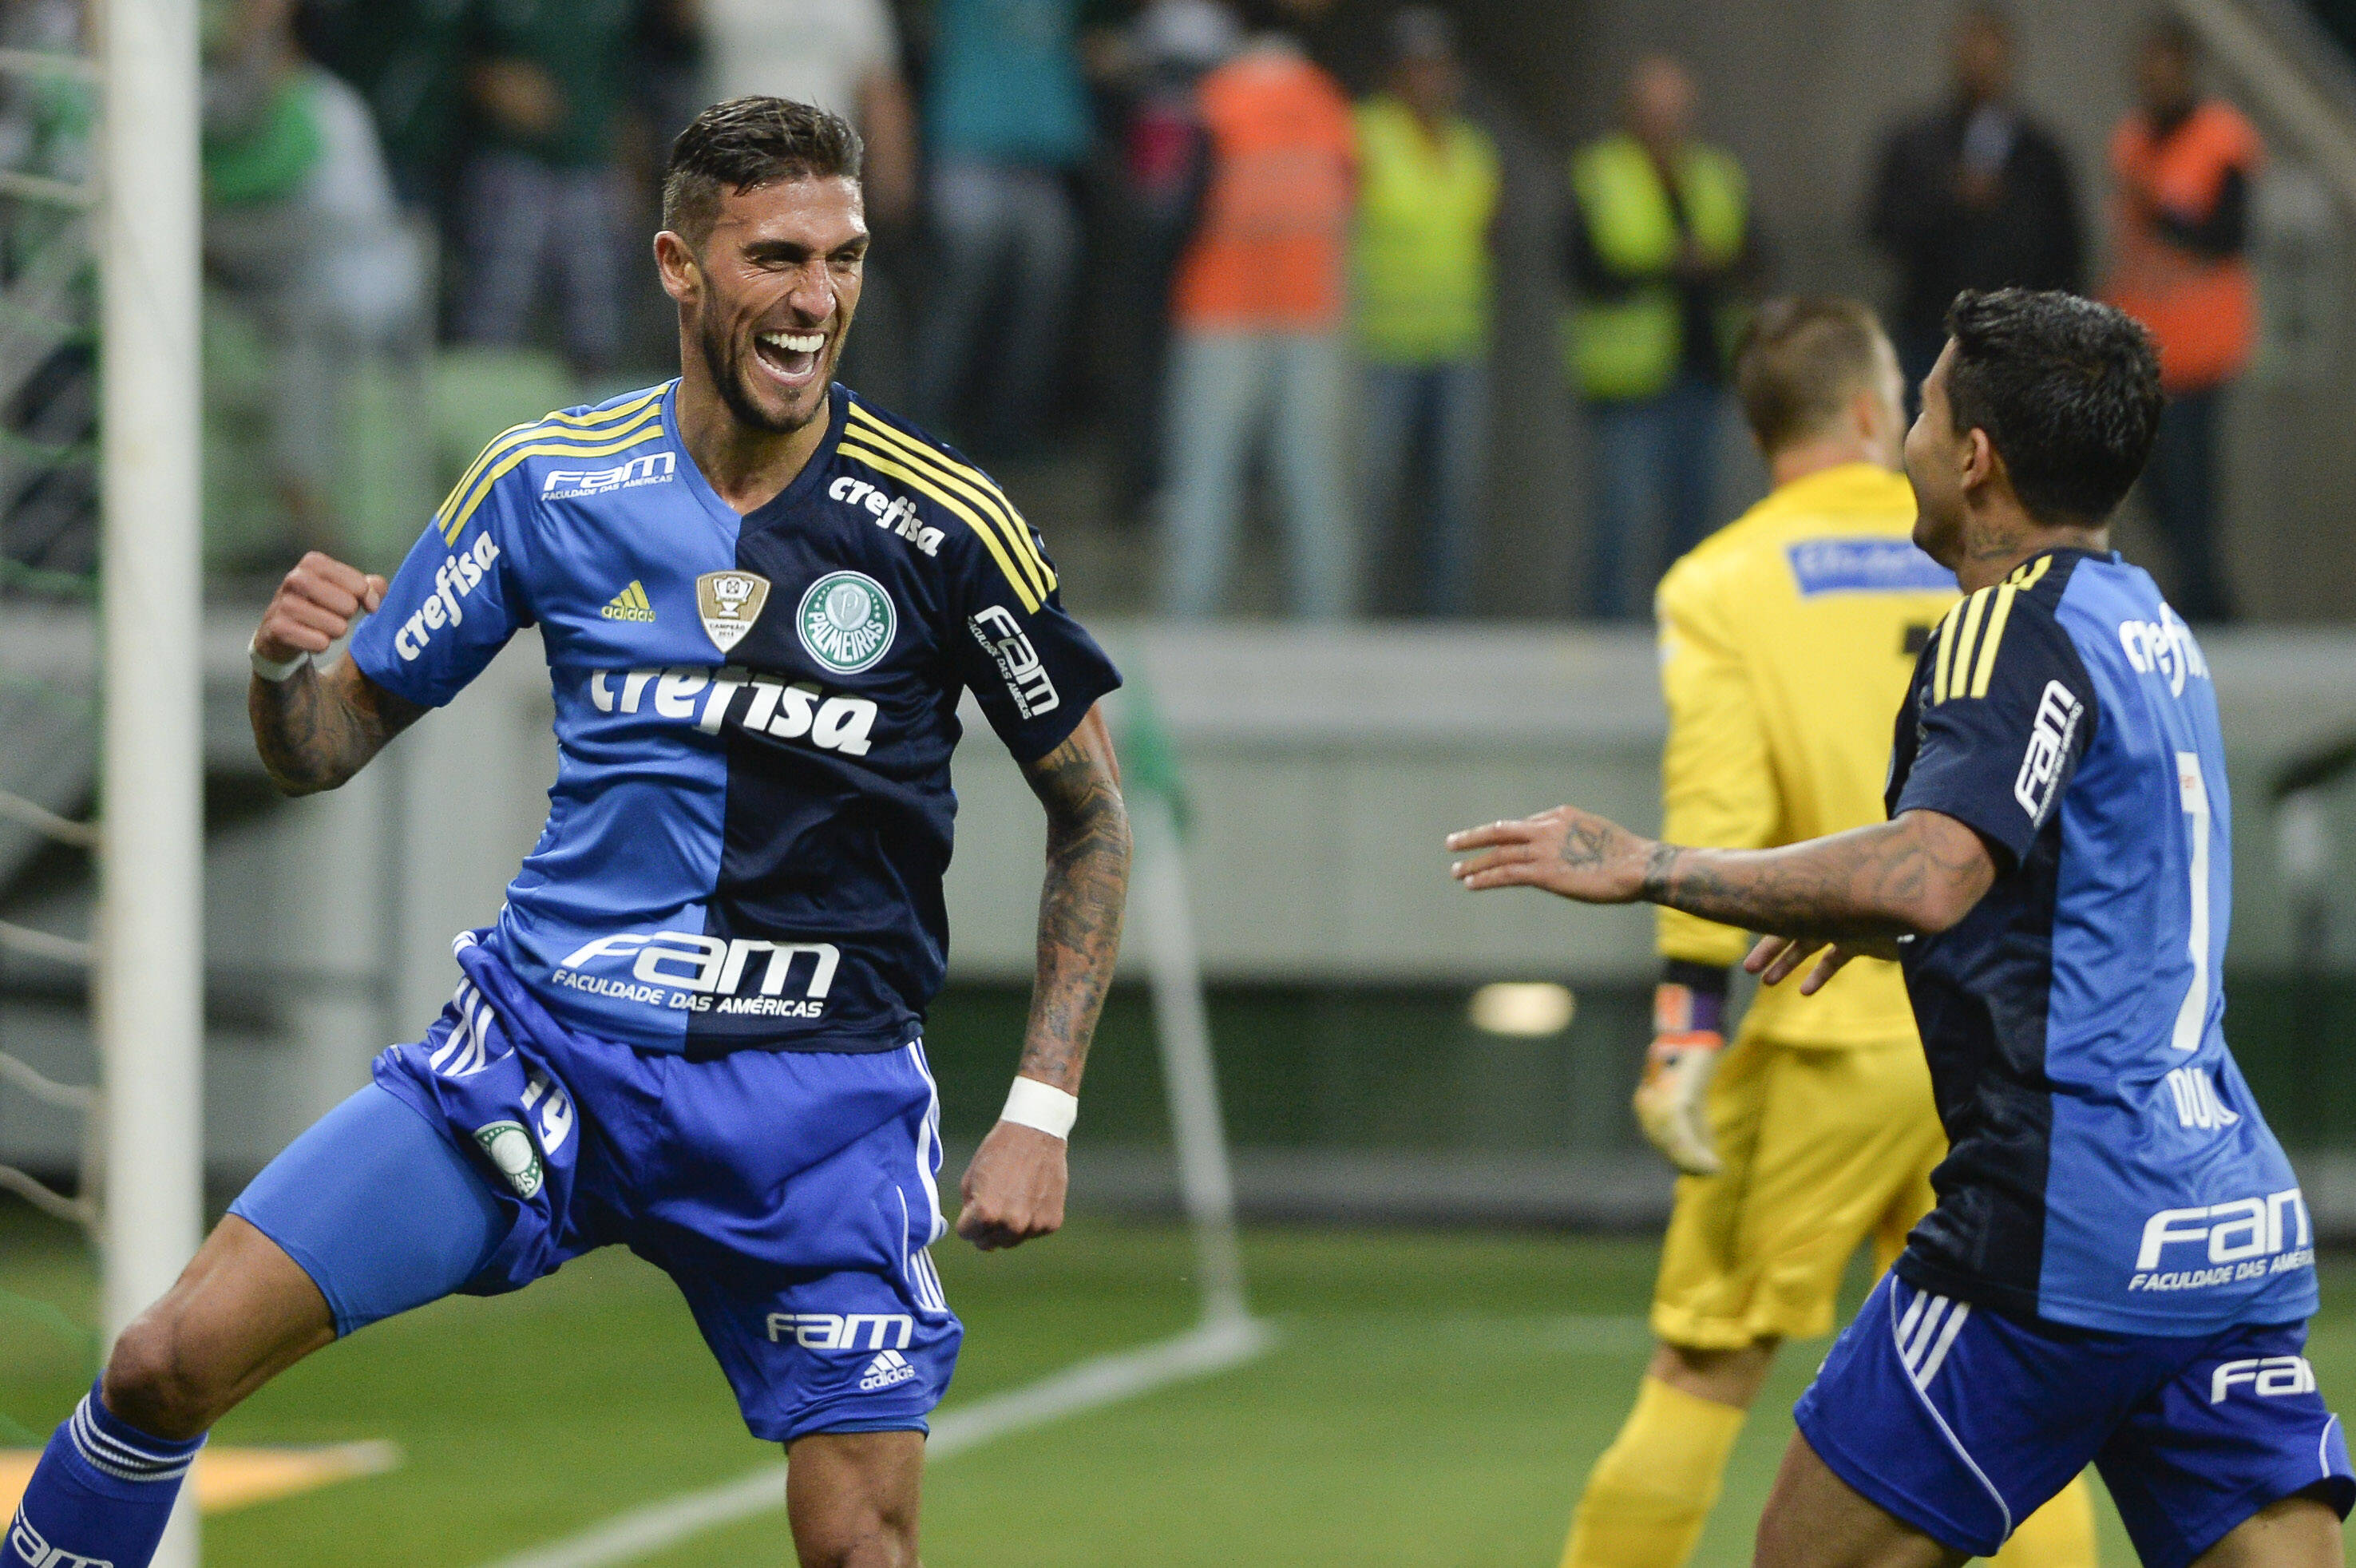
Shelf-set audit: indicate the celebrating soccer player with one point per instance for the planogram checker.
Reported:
(2119, 1265)
(1785, 644)
(695, 1028)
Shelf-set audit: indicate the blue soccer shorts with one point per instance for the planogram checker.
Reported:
(1962, 1422)
(791, 1195)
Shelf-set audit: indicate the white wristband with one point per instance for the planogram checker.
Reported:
(271, 670)
(1030, 1103)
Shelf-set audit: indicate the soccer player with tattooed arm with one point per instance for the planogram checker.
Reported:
(695, 1028)
(2119, 1266)
(1786, 640)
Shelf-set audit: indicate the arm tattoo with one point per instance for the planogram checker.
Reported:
(316, 729)
(1872, 882)
(1079, 903)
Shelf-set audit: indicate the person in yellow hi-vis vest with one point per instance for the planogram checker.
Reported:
(1428, 188)
(1661, 248)
(1786, 641)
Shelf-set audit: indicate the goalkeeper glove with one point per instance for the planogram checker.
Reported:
(1672, 1103)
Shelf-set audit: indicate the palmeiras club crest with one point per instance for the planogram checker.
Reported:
(846, 621)
(730, 602)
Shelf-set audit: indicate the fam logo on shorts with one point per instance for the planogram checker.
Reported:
(730, 602)
(846, 621)
(510, 1148)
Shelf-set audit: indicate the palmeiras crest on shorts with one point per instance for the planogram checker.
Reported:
(730, 602)
(512, 1150)
(846, 621)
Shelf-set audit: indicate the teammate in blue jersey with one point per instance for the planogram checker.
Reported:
(695, 1028)
(2120, 1266)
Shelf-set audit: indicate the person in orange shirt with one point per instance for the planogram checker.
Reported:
(1259, 332)
(2184, 166)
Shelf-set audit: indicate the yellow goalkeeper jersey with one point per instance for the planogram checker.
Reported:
(1786, 640)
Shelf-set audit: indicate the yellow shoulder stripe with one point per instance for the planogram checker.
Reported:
(1991, 637)
(2029, 574)
(1946, 661)
(569, 423)
(967, 481)
(1969, 640)
(559, 444)
(884, 465)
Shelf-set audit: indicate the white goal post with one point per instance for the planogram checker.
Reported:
(147, 988)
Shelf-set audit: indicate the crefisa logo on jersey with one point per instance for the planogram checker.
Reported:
(730, 602)
(846, 621)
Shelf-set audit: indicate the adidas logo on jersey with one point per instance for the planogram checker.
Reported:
(631, 604)
(888, 1368)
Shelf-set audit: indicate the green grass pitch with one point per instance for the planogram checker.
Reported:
(1435, 1401)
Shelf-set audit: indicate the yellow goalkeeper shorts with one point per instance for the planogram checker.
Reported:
(1822, 1151)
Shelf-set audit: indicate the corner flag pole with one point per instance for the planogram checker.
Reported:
(1190, 1076)
(147, 991)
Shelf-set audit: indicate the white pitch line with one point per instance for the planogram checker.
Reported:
(1090, 1385)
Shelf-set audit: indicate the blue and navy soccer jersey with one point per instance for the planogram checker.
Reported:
(2109, 1169)
(755, 715)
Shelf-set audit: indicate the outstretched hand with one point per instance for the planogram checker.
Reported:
(1777, 959)
(1566, 850)
(1013, 1190)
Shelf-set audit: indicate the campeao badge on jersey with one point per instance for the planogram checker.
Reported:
(730, 602)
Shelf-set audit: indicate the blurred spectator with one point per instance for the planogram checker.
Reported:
(671, 89)
(1258, 331)
(1662, 246)
(843, 55)
(1007, 119)
(408, 57)
(1427, 199)
(2184, 165)
(1168, 48)
(301, 229)
(1973, 195)
(542, 199)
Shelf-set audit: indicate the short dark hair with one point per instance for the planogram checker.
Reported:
(1799, 360)
(2067, 390)
(744, 144)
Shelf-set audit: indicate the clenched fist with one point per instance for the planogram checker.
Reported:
(314, 607)
(1015, 1188)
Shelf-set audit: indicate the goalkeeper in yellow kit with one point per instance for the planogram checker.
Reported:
(1786, 641)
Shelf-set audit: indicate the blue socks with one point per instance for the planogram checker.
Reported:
(100, 1496)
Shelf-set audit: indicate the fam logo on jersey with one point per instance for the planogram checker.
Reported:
(842, 1331)
(510, 1149)
(2247, 1239)
(896, 514)
(2058, 712)
(572, 484)
(27, 1542)
(454, 581)
(688, 972)
(846, 621)
(1003, 638)
(730, 602)
(2269, 1377)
